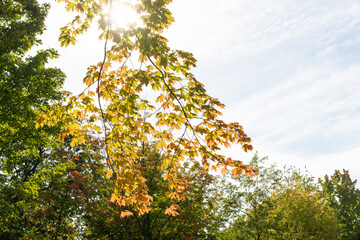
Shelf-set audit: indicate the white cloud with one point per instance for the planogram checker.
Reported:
(316, 102)
(303, 103)
(243, 28)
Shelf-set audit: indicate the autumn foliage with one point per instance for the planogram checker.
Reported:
(179, 116)
(136, 155)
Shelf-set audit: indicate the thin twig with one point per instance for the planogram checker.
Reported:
(98, 90)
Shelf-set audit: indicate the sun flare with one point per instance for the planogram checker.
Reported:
(122, 14)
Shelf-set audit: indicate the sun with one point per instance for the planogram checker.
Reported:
(122, 14)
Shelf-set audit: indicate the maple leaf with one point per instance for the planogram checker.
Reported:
(172, 210)
(125, 213)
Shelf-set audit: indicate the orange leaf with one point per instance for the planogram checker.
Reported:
(63, 137)
(172, 210)
(224, 170)
(125, 213)
(82, 115)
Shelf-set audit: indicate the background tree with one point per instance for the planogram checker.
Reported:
(344, 197)
(245, 200)
(192, 217)
(27, 88)
(299, 212)
(277, 204)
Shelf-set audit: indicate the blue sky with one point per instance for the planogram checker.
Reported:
(288, 71)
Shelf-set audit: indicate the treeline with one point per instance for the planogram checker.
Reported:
(51, 188)
(288, 203)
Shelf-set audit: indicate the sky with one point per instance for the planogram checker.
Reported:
(287, 70)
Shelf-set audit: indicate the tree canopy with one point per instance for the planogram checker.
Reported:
(344, 197)
(27, 88)
(136, 155)
(277, 204)
(178, 115)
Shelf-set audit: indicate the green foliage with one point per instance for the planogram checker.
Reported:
(246, 201)
(277, 204)
(27, 88)
(299, 212)
(342, 194)
(20, 22)
(188, 218)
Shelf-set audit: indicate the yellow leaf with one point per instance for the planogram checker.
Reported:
(89, 82)
(109, 173)
(160, 98)
(73, 142)
(113, 197)
(160, 145)
(81, 139)
(205, 167)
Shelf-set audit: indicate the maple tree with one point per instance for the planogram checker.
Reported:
(179, 115)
